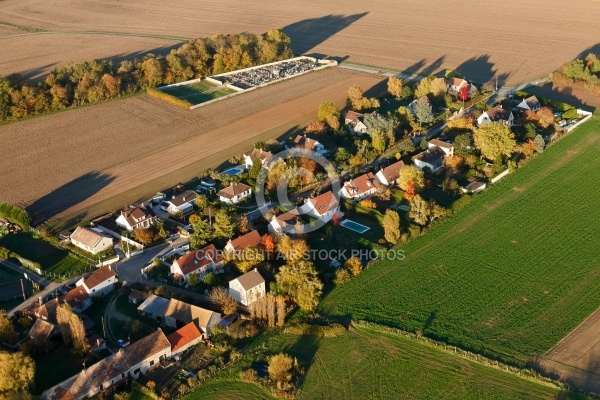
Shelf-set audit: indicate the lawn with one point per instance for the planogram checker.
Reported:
(8, 275)
(200, 92)
(52, 259)
(226, 389)
(509, 275)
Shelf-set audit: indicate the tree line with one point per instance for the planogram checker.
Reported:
(93, 81)
(583, 73)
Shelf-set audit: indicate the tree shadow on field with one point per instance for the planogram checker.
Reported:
(481, 70)
(67, 196)
(592, 49)
(157, 51)
(309, 33)
(579, 99)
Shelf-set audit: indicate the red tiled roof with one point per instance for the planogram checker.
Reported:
(324, 202)
(454, 81)
(183, 336)
(76, 296)
(392, 172)
(195, 260)
(98, 276)
(361, 184)
(498, 114)
(249, 239)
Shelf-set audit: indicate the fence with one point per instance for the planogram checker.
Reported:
(587, 114)
(499, 176)
(109, 261)
(123, 239)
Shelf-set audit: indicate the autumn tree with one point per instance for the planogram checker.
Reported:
(280, 369)
(545, 117)
(413, 174)
(267, 243)
(527, 148)
(281, 310)
(144, 235)
(301, 281)
(394, 86)
(391, 226)
(17, 371)
(342, 275)
(220, 296)
(292, 250)
(315, 127)
(494, 139)
(7, 329)
(422, 211)
(354, 265)
(243, 224)
(249, 258)
(410, 191)
(435, 86)
(454, 163)
(329, 113)
(358, 101)
(464, 122)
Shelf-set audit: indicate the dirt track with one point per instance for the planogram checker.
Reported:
(576, 359)
(80, 157)
(516, 41)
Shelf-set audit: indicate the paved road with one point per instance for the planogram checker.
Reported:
(31, 275)
(129, 269)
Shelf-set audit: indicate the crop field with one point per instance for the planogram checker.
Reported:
(51, 259)
(420, 37)
(8, 275)
(34, 55)
(508, 276)
(92, 154)
(199, 92)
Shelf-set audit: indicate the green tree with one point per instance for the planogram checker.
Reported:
(280, 368)
(463, 145)
(422, 211)
(224, 225)
(301, 281)
(210, 279)
(540, 144)
(254, 171)
(494, 139)
(7, 329)
(329, 113)
(353, 265)
(411, 173)
(203, 232)
(5, 98)
(194, 280)
(391, 226)
(423, 112)
(424, 144)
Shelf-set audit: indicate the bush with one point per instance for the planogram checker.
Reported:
(249, 375)
(570, 114)
(175, 101)
(15, 215)
(368, 203)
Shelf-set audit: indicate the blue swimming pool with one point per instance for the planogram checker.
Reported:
(234, 170)
(354, 226)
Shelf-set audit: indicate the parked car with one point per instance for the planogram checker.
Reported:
(122, 343)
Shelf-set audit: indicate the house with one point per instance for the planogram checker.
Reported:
(447, 148)
(100, 282)
(322, 207)
(356, 122)
(199, 262)
(234, 193)
(90, 241)
(184, 338)
(47, 311)
(413, 104)
(96, 342)
(303, 142)
(455, 85)
(496, 114)
(78, 298)
(389, 175)
(129, 362)
(42, 331)
(175, 313)
(257, 154)
(250, 239)
(530, 103)
(360, 187)
(474, 187)
(432, 158)
(135, 218)
(135, 296)
(183, 203)
(287, 222)
(248, 288)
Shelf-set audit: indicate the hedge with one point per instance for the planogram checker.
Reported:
(169, 98)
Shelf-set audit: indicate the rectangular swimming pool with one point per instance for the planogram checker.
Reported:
(234, 170)
(354, 226)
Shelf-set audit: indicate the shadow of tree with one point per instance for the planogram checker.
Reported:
(67, 196)
(576, 98)
(309, 33)
(481, 70)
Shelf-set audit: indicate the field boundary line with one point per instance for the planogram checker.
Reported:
(571, 332)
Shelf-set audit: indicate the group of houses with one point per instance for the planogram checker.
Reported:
(506, 116)
(99, 283)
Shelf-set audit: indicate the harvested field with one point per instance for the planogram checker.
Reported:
(576, 359)
(518, 42)
(34, 55)
(98, 152)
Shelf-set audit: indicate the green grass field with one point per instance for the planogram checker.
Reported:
(511, 274)
(200, 92)
(8, 275)
(52, 259)
(228, 389)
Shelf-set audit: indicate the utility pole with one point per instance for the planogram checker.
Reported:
(23, 290)
(103, 327)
